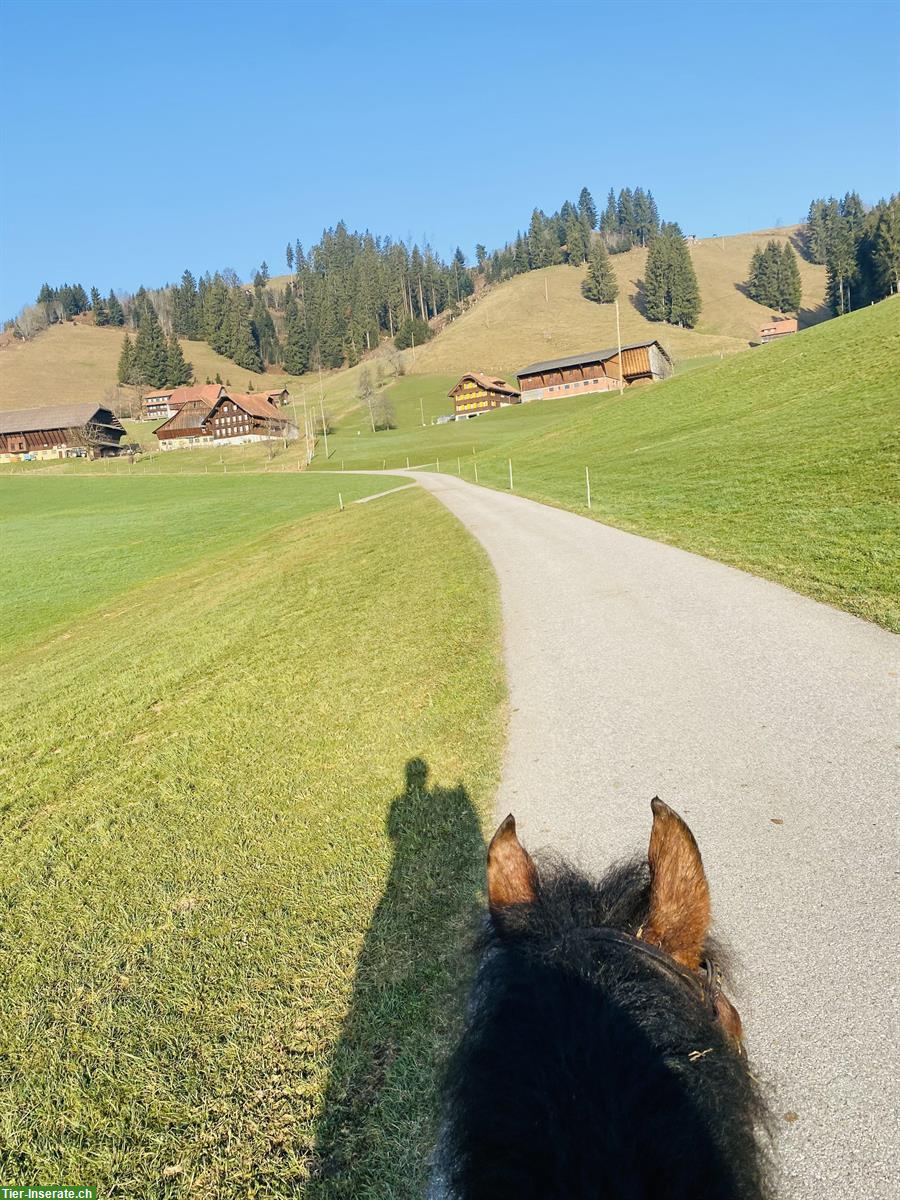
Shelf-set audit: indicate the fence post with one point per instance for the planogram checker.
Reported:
(476, 469)
(510, 475)
(587, 480)
(341, 501)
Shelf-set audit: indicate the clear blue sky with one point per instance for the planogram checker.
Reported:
(139, 138)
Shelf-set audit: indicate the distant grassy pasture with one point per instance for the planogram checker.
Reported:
(71, 544)
(780, 461)
(233, 900)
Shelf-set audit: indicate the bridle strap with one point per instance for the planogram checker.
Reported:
(705, 983)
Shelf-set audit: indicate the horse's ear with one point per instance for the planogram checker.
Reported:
(511, 874)
(679, 893)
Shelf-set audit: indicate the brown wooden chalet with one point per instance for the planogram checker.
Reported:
(59, 431)
(477, 393)
(232, 417)
(164, 402)
(594, 371)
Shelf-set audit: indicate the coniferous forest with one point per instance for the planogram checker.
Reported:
(346, 294)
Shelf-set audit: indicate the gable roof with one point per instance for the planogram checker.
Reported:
(255, 405)
(591, 356)
(490, 383)
(159, 394)
(190, 415)
(55, 416)
(208, 392)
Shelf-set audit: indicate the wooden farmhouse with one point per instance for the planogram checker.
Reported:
(232, 418)
(594, 371)
(60, 431)
(778, 327)
(476, 394)
(165, 402)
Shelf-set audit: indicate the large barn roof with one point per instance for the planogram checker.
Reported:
(256, 405)
(54, 416)
(575, 360)
(490, 383)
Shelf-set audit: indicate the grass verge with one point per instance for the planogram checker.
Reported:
(241, 841)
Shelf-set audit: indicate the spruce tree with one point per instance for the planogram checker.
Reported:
(243, 346)
(178, 372)
(289, 257)
(600, 285)
(656, 280)
(114, 310)
(125, 370)
(587, 210)
(609, 222)
(684, 289)
(575, 242)
(150, 351)
(101, 316)
(790, 289)
(671, 292)
(886, 247)
(296, 343)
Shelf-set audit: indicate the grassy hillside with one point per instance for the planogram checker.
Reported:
(543, 314)
(778, 460)
(234, 899)
(512, 324)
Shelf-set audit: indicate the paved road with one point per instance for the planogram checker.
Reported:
(769, 721)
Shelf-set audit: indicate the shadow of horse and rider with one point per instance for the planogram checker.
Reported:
(380, 1100)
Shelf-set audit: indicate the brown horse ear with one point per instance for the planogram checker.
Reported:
(679, 893)
(511, 874)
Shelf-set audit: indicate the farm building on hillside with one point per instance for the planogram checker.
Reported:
(778, 327)
(279, 396)
(476, 394)
(594, 371)
(60, 431)
(186, 427)
(232, 418)
(165, 402)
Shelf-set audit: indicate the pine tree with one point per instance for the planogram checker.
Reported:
(216, 330)
(296, 343)
(538, 252)
(609, 222)
(684, 289)
(790, 290)
(125, 370)
(114, 310)
(587, 210)
(575, 244)
(625, 215)
(840, 264)
(101, 316)
(178, 372)
(150, 351)
(671, 292)
(243, 346)
(886, 247)
(656, 280)
(289, 257)
(264, 330)
(600, 285)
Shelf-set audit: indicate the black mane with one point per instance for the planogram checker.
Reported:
(578, 1075)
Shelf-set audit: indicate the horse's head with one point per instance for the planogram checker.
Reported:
(667, 921)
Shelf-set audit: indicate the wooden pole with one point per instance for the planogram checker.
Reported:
(476, 470)
(341, 501)
(324, 424)
(510, 476)
(422, 410)
(619, 340)
(587, 480)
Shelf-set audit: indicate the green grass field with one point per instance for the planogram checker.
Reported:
(233, 900)
(779, 461)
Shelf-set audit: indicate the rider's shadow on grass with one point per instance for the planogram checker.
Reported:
(379, 1113)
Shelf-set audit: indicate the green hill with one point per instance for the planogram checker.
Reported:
(777, 461)
(537, 315)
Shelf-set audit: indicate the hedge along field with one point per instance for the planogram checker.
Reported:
(234, 901)
(69, 544)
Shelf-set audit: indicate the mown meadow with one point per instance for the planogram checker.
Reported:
(241, 830)
(780, 460)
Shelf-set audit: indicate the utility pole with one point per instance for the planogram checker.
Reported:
(619, 340)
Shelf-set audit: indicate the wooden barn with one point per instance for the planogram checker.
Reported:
(594, 371)
(167, 401)
(778, 327)
(60, 431)
(477, 393)
(186, 428)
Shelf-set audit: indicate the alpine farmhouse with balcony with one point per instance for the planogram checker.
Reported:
(594, 371)
(476, 394)
(60, 431)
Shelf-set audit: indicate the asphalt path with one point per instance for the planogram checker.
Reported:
(770, 722)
